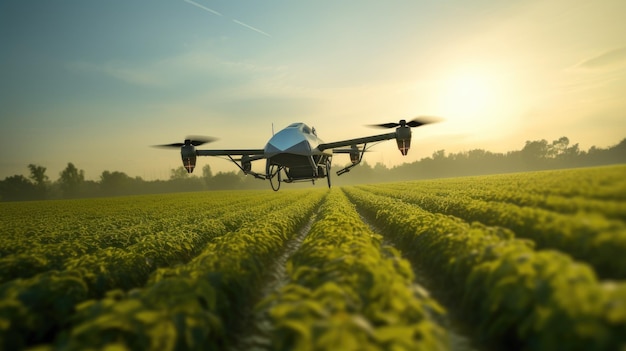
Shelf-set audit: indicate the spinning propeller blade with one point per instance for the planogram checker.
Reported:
(416, 122)
(190, 140)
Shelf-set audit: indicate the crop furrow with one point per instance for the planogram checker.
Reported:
(255, 325)
(36, 248)
(196, 305)
(39, 306)
(205, 271)
(459, 335)
(593, 239)
(517, 298)
(347, 292)
(160, 241)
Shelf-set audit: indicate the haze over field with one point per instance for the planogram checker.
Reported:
(96, 82)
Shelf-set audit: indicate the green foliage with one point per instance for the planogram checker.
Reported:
(511, 293)
(194, 305)
(518, 256)
(38, 307)
(108, 244)
(580, 212)
(347, 292)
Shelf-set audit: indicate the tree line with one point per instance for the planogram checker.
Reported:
(535, 155)
(72, 184)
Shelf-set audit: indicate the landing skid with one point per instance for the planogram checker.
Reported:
(328, 172)
(274, 173)
(354, 162)
(275, 177)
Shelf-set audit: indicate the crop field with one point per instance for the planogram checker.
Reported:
(525, 261)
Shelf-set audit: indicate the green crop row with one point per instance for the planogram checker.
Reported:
(588, 237)
(348, 292)
(195, 305)
(107, 222)
(600, 183)
(600, 191)
(33, 309)
(113, 229)
(514, 296)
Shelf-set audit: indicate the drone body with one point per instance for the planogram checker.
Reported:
(297, 154)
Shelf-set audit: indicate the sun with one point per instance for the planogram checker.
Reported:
(469, 94)
(472, 100)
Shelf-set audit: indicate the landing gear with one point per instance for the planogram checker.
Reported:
(274, 176)
(328, 172)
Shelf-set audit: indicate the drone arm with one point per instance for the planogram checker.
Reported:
(358, 141)
(244, 163)
(255, 153)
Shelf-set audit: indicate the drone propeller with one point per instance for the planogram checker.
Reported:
(190, 140)
(416, 122)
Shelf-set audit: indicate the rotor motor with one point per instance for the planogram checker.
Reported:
(354, 154)
(188, 154)
(403, 138)
(403, 130)
(246, 163)
(188, 150)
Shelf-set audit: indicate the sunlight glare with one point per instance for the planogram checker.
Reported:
(467, 94)
(471, 101)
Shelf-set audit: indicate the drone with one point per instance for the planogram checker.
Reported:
(297, 154)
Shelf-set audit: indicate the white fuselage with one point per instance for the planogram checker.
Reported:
(296, 139)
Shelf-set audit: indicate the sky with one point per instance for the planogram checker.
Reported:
(96, 83)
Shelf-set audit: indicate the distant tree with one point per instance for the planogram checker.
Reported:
(226, 180)
(178, 173)
(565, 155)
(558, 147)
(477, 154)
(207, 174)
(596, 156)
(38, 175)
(380, 168)
(115, 183)
(363, 173)
(439, 155)
(180, 180)
(617, 153)
(206, 171)
(535, 153)
(71, 179)
(571, 152)
(17, 188)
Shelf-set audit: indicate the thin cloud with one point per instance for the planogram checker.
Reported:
(203, 7)
(608, 58)
(234, 20)
(119, 71)
(250, 27)
(177, 70)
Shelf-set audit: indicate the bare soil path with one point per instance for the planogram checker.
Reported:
(255, 324)
(459, 338)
